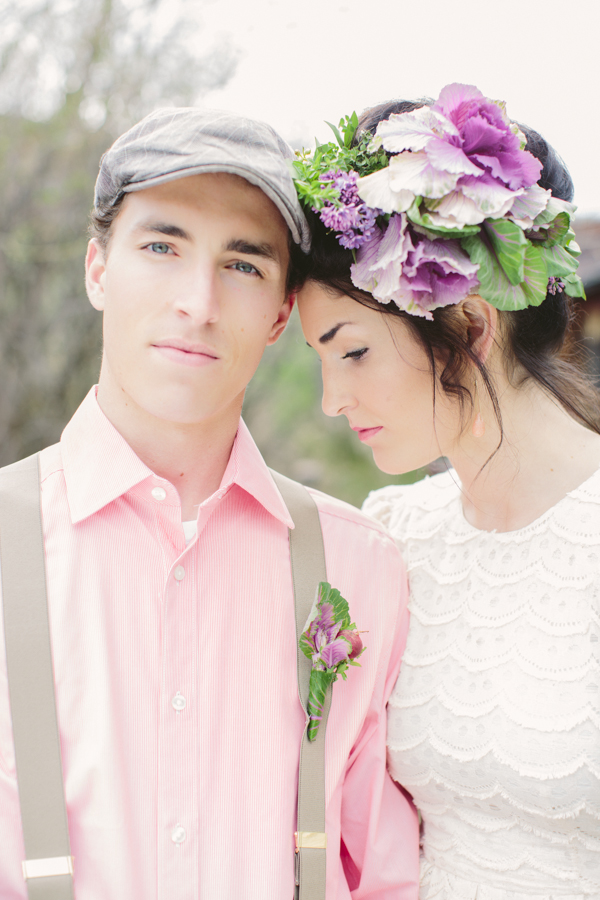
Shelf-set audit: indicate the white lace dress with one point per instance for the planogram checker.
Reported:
(494, 723)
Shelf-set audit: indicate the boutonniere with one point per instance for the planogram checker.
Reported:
(332, 643)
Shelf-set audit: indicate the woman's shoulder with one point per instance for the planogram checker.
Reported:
(400, 506)
(588, 492)
(576, 518)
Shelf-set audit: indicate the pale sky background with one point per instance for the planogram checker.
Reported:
(306, 61)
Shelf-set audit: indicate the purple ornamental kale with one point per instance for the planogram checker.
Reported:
(461, 155)
(485, 137)
(402, 266)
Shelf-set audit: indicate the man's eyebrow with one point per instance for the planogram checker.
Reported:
(165, 228)
(267, 251)
(329, 336)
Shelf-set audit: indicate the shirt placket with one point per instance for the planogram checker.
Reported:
(177, 766)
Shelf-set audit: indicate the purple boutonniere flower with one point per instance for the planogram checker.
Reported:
(332, 643)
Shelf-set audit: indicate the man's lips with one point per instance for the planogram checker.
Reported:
(186, 353)
(365, 433)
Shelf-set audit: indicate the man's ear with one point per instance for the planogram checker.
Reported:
(282, 319)
(481, 324)
(95, 268)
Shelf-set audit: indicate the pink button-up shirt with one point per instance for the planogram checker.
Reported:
(176, 686)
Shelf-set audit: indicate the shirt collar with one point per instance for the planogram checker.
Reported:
(249, 471)
(99, 466)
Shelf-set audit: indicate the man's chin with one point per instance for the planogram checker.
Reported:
(190, 409)
(185, 416)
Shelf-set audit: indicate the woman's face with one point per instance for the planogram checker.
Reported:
(377, 375)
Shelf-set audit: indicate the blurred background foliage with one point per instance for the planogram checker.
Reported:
(74, 74)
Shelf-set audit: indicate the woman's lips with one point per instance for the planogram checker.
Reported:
(186, 354)
(365, 433)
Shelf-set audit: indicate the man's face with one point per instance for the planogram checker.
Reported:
(192, 289)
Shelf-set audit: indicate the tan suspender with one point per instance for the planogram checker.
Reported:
(48, 864)
(48, 867)
(308, 569)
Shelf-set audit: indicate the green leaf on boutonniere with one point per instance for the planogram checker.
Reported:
(319, 683)
(341, 611)
(331, 642)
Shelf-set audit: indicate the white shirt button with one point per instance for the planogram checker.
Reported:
(178, 834)
(179, 573)
(178, 702)
(159, 493)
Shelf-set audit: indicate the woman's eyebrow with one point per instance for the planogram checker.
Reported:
(329, 336)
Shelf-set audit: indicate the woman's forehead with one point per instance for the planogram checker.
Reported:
(325, 312)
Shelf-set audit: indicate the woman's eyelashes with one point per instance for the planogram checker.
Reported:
(356, 354)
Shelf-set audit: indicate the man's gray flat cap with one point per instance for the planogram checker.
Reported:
(176, 142)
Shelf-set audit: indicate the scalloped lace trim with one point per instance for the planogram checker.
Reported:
(494, 723)
(439, 884)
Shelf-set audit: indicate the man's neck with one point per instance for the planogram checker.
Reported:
(193, 458)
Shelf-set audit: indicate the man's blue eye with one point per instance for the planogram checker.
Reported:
(245, 267)
(159, 247)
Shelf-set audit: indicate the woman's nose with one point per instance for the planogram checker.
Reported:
(336, 398)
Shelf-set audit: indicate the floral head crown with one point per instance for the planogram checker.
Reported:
(454, 210)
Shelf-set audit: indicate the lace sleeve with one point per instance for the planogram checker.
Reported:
(380, 504)
(397, 505)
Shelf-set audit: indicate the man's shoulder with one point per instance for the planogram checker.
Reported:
(348, 516)
(50, 462)
(365, 565)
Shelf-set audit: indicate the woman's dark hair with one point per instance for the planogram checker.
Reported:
(540, 340)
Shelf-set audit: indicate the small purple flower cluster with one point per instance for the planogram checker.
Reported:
(353, 219)
(331, 644)
(555, 285)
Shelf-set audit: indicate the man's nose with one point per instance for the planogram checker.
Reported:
(198, 298)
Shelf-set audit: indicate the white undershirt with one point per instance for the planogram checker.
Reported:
(189, 530)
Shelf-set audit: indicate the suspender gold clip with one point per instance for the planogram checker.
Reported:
(43, 868)
(310, 840)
